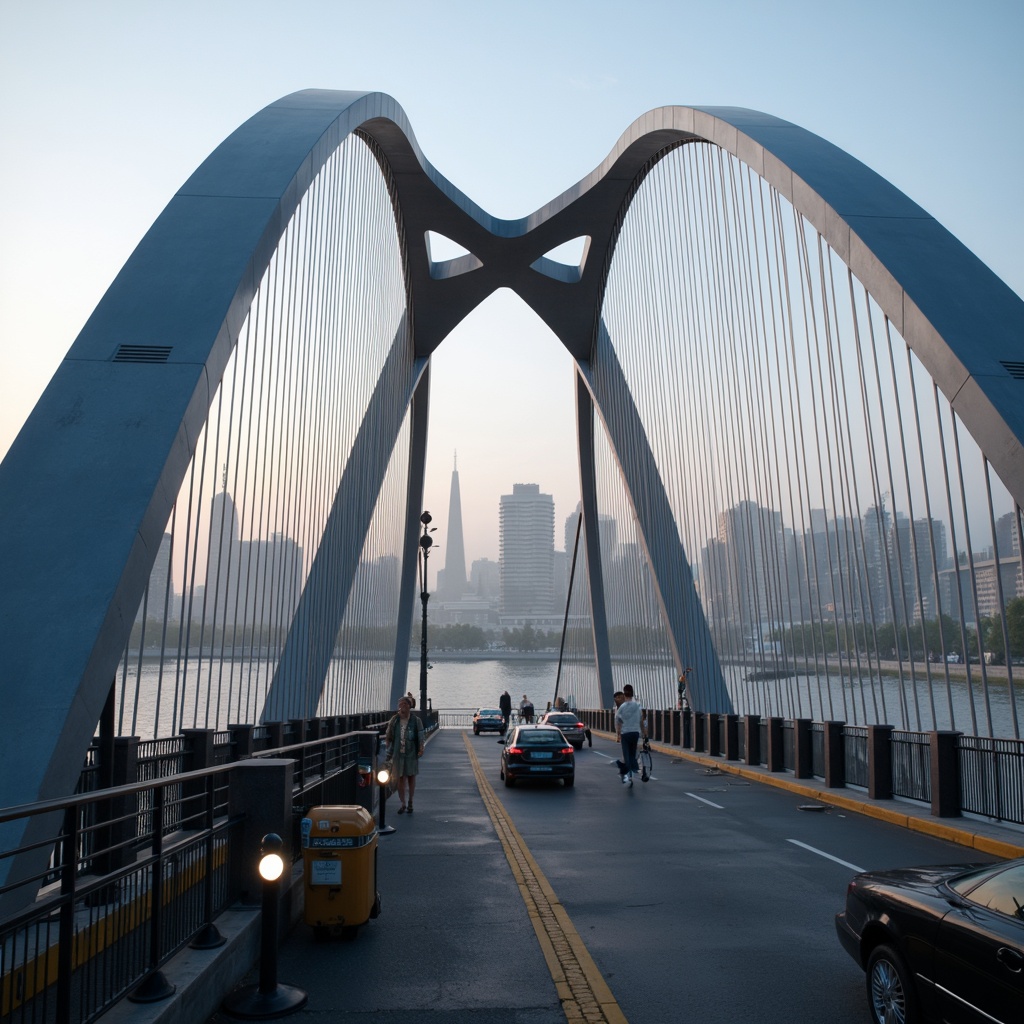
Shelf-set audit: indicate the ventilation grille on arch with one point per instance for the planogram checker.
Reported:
(142, 353)
(1014, 368)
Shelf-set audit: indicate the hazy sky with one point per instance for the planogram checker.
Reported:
(107, 107)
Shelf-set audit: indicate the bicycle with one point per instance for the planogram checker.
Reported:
(645, 761)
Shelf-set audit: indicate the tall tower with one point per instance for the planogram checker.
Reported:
(453, 582)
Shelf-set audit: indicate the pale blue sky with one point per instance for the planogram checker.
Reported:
(107, 107)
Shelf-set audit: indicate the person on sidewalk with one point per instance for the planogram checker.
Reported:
(629, 725)
(404, 741)
(505, 704)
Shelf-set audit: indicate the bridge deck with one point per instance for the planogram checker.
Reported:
(695, 897)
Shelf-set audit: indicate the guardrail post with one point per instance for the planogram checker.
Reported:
(686, 740)
(835, 755)
(275, 736)
(752, 739)
(209, 936)
(114, 840)
(242, 740)
(66, 945)
(674, 739)
(699, 718)
(732, 737)
(198, 755)
(260, 792)
(945, 772)
(803, 755)
(880, 762)
(155, 986)
(776, 749)
(714, 746)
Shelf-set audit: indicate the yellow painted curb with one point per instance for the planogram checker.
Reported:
(582, 991)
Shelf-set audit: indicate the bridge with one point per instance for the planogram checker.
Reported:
(799, 426)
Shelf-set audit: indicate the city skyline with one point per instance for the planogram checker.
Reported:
(105, 159)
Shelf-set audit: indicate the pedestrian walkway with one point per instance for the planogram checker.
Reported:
(452, 942)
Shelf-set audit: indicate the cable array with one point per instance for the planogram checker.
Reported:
(854, 555)
(329, 316)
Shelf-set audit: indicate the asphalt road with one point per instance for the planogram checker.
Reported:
(699, 897)
(704, 897)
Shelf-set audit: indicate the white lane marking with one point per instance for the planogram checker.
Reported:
(710, 803)
(827, 856)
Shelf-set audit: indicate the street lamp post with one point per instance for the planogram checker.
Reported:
(425, 544)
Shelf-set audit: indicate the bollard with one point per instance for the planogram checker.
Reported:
(268, 998)
(383, 778)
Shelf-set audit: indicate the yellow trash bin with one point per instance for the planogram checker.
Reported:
(339, 867)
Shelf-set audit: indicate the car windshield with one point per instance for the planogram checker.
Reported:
(998, 888)
(489, 711)
(539, 737)
(561, 719)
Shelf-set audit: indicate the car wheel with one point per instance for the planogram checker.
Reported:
(570, 781)
(509, 781)
(891, 995)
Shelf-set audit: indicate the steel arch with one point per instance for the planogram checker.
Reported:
(87, 487)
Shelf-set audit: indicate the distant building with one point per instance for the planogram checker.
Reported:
(160, 595)
(485, 579)
(526, 530)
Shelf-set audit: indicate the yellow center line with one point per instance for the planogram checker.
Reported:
(583, 993)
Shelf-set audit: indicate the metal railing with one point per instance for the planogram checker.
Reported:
(911, 765)
(134, 875)
(855, 755)
(986, 776)
(992, 777)
(128, 876)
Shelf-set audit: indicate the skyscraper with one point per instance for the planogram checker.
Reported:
(451, 585)
(527, 547)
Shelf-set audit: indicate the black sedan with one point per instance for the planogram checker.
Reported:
(537, 752)
(939, 943)
(571, 727)
(488, 720)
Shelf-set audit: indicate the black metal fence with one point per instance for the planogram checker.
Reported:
(116, 880)
(952, 772)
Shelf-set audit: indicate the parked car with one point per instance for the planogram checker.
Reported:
(939, 943)
(537, 752)
(571, 727)
(488, 720)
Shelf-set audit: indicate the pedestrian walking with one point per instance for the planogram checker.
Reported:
(505, 705)
(404, 741)
(526, 710)
(629, 725)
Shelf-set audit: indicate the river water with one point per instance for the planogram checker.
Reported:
(460, 683)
